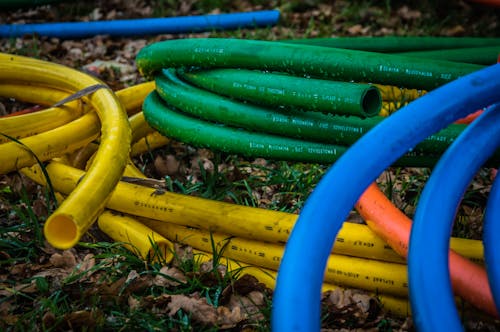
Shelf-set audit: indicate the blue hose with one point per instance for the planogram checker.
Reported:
(490, 239)
(144, 26)
(431, 292)
(296, 304)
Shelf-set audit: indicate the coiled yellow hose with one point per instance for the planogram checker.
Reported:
(70, 221)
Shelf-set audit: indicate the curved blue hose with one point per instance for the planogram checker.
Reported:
(144, 26)
(431, 292)
(296, 304)
(490, 239)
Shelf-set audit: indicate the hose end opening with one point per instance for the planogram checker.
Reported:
(371, 101)
(61, 231)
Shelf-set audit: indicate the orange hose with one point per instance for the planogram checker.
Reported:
(468, 279)
(33, 109)
(469, 118)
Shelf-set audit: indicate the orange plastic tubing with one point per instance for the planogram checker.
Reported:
(469, 280)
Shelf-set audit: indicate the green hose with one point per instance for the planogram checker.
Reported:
(280, 90)
(203, 118)
(321, 62)
(311, 126)
(197, 132)
(477, 55)
(392, 44)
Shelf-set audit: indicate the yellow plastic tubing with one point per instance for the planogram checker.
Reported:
(373, 275)
(242, 221)
(149, 142)
(71, 220)
(34, 123)
(136, 237)
(392, 304)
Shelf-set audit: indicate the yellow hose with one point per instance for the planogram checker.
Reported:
(395, 305)
(372, 275)
(152, 141)
(34, 123)
(242, 221)
(49, 144)
(140, 128)
(393, 93)
(71, 220)
(136, 237)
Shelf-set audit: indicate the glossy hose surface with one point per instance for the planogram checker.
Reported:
(305, 124)
(268, 226)
(75, 215)
(477, 55)
(348, 271)
(341, 187)
(428, 251)
(468, 279)
(280, 90)
(138, 238)
(391, 44)
(490, 238)
(336, 64)
(144, 26)
(194, 131)
(30, 124)
(395, 305)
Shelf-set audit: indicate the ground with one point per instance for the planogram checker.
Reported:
(99, 285)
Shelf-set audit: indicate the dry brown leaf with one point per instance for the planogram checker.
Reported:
(170, 276)
(132, 275)
(133, 303)
(249, 306)
(65, 260)
(409, 14)
(199, 309)
(87, 264)
(168, 165)
(457, 30)
(228, 318)
(82, 319)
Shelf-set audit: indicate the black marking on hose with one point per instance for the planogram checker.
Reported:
(81, 93)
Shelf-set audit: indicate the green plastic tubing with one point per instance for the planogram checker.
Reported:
(391, 44)
(197, 132)
(477, 55)
(281, 90)
(321, 62)
(312, 126)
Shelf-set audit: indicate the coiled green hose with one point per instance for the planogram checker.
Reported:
(292, 129)
(307, 125)
(393, 44)
(281, 90)
(197, 132)
(321, 62)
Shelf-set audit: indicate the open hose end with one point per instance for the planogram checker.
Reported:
(371, 101)
(61, 231)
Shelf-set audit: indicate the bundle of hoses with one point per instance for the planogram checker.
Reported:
(220, 94)
(168, 213)
(284, 101)
(430, 262)
(136, 211)
(250, 230)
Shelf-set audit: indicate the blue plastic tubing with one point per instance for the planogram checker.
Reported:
(490, 239)
(145, 26)
(431, 293)
(296, 304)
